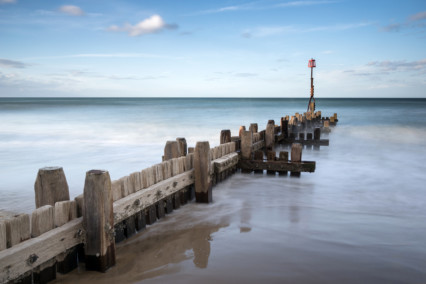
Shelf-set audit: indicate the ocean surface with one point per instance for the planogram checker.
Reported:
(360, 218)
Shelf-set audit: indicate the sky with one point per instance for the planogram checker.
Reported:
(222, 48)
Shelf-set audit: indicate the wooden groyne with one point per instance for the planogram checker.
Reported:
(61, 233)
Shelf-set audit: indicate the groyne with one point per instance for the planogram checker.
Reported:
(61, 233)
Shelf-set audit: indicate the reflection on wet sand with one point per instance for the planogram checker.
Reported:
(159, 249)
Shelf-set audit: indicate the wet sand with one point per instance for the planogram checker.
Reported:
(271, 230)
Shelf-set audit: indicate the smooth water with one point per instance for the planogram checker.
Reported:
(360, 218)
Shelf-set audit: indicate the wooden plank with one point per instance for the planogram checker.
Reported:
(135, 180)
(258, 146)
(278, 166)
(17, 227)
(27, 255)
(322, 142)
(80, 204)
(62, 213)
(116, 190)
(140, 200)
(225, 162)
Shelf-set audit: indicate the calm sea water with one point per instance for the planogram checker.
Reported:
(360, 218)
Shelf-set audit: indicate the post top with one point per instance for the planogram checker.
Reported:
(97, 172)
(54, 168)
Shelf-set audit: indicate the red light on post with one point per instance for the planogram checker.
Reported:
(312, 63)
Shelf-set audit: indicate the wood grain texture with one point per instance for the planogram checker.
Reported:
(27, 255)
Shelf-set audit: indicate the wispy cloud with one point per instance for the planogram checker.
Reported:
(304, 3)
(278, 30)
(418, 16)
(110, 55)
(71, 10)
(413, 21)
(12, 63)
(153, 24)
(259, 5)
(7, 1)
(401, 65)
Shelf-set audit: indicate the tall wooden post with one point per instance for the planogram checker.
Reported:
(283, 157)
(242, 128)
(225, 136)
(50, 186)
(296, 156)
(317, 137)
(203, 187)
(171, 150)
(284, 127)
(270, 135)
(246, 145)
(98, 221)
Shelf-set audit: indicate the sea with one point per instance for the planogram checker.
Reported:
(359, 218)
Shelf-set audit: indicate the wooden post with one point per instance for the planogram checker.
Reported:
(3, 239)
(317, 137)
(99, 221)
(242, 128)
(253, 128)
(271, 156)
(203, 187)
(225, 136)
(284, 127)
(258, 156)
(283, 157)
(183, 146)
(270, 135)
(50, 186)
(301, 136)
(246, 145)
(171, 150)
(309, 137)
(296, 156)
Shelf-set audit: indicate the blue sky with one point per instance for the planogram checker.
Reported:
(212, 48)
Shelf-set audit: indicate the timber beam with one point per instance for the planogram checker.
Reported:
(278, 166)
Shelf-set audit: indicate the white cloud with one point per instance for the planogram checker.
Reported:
(150, 25)
(71, 10)
(7, 1)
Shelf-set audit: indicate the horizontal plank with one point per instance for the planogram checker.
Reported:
(225, 162)
(278, 166)
(322, 142)
(258, 145)
(140, 200)
(29, 254)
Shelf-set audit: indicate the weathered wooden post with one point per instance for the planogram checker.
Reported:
(183, 146)
(242, 128)
(225, 136)
(270, 135)
(296, 156)
(253, 128)
(309, 138)
(258, 156)
(246, 145)
(99, 221)
(283, 157)
(317, 137)
(332, 122)
(171, 150)
(284, 127)
(50, 186)
(203, 187)
(271, 156)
